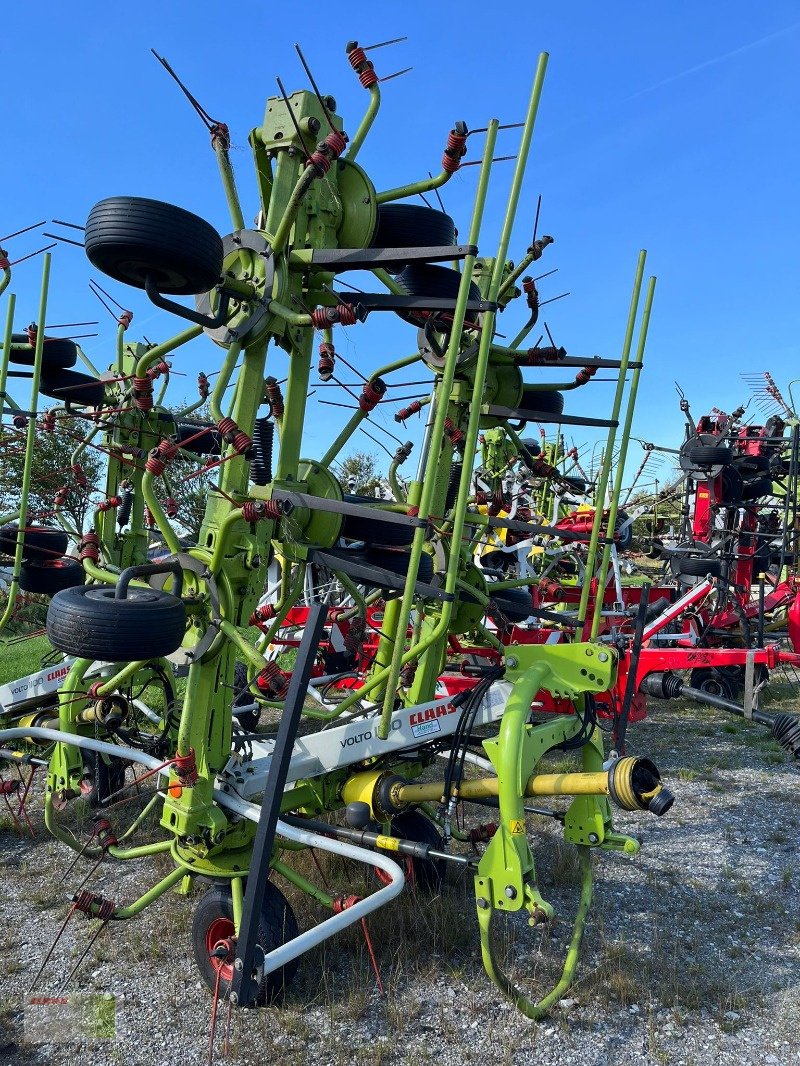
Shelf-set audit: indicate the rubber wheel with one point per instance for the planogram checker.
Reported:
(412, 226)
(509, 605)
(354, 527)
(88, 622)
(425, 874)
(694, 567)
(50, 576)
(247, 719)
(754, 490)
(731, 486)
(213, 922)
(715, 682)
(207, 444)
(752, 465)
(709, 455)
(427, 279)
(72, 387)
(396, 560)
(129, 238)
(623, 540)
(39, 542)
(102, 777)
(546, 403)
(57, 352)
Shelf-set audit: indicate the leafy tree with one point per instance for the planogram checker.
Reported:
(52, 459)
(358, 474)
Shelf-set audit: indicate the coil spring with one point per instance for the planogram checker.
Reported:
(89, 547)
(327, 361)
(262, 614)
(413, 408)
(125, 319)
(540, 356)
(109, 504)
(786, 730)
(104, 831)
(255, 510)
(453, 481)
(481, 498)
(19, 421)
(124, 513)
(170, 506)
(344, 314)
(274, 396)
(550, 590)
(159, 457)
(148, 517)
(236, 437)
(585, 375)
(49, 421)
(524, 514)
(203, 386)
(81, 478)
(372, 394)
(94, 906)
(272, 681)
(185, 768)
(362, 66)
(453, 433)
(500, 502)
(413, 512)
(481, 834)
(159, 368)
(261, 463)
(143, 393)
(61, 496)
(455, 149)
(353, 639)
(10, 788)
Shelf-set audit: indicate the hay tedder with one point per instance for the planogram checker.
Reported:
(383, 638)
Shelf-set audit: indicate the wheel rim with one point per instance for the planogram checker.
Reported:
(220, 933)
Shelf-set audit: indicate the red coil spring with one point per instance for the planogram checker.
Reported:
(413, 408)
(10, 788)
(481, 834)
(78, 474)
(344, 903)
(272, 681)
(413, 512)
(236, 437)
(371, 394)
(320, 161)
(203, 386)
(94, 906)
(20, 421)
(186, 768)
(327, 361)
(159, 457)
(104, 831)
(143, 393)
(453, 433)
(93, 691)
(49, 421)
(61, 496)
(500, 502)
(481, 498)
(354, 637)
(110, 503)
(219, 132)
(344, 314)
(274, 396)
(89, 547)
(366, 73)
(158, 369)
(263, 614)
(170, 507)
(125, 319)
(585, 375)
(148, 518)
(336, 142)
(454, 152)
(550, 590)
(255, 510)
(523, 514)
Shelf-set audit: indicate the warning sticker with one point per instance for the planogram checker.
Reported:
(517, 826)
(388, 843)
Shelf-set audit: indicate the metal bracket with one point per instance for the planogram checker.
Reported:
(547, 416)
(340, 259)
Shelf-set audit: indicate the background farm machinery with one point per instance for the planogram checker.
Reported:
(409, 647)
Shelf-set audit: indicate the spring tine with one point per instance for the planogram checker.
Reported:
(59, 934)
(317, 93)
(383, 44)
(396, 74)
(27, 229)
(84, 953)
(69, 225)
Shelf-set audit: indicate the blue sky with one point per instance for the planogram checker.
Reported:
(663, 126)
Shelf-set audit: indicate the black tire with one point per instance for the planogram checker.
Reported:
(72, 387)
(129, 238)
(705, 455)
(51, 576)
(754, 490)
(623, 540)
(57, 352)
(425, 874)
(731, 486)
(752, 465)
(39, 543)
(354, 527)
(209, 443)
(242, 698)
(694, 567)
(511, 605)
(213, 921)
(411, 226)
(427, 279)
(545, 402)
(90, 623)
(396, 560)
(716, 682)
(103, 776)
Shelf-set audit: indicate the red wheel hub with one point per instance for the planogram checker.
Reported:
(220, 934)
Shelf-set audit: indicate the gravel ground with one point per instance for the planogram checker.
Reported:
(692, 952)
